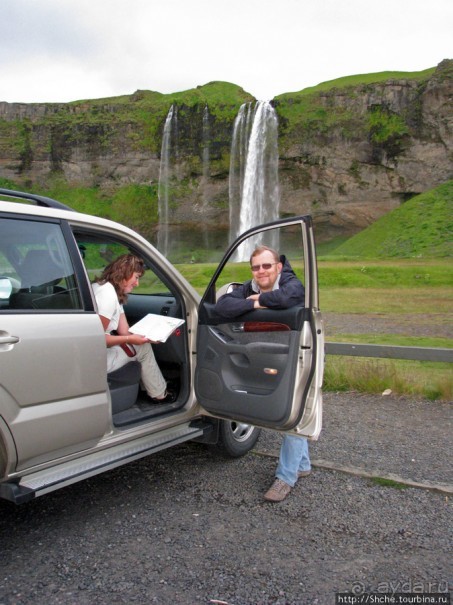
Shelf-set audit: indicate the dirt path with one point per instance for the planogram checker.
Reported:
(439, 325)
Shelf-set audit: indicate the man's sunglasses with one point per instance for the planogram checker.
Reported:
(266, 266)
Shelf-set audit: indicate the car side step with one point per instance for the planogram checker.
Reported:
(48, 480)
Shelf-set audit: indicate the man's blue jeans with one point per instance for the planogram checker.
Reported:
(294, 457)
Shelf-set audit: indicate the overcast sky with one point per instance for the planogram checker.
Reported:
(66, 50)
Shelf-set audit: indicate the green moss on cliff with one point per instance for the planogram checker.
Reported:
(128, 122)
(385, 126)
(333, 108)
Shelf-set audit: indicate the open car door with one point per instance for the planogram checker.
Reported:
(264, 367)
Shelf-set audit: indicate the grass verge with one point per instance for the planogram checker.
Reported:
(424, 379)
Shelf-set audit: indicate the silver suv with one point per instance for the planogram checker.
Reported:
(63, 418)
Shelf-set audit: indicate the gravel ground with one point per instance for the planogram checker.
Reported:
(188, 527)
(387, 435)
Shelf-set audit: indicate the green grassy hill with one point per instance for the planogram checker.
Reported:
(360, 80)
(421, 227)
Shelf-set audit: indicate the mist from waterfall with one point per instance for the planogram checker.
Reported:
(253, 184)
(169, 137)
(238, 160)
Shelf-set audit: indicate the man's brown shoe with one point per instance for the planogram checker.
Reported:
(303, 474)
(278, 491)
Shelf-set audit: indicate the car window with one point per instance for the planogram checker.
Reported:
(98, 251)
(286, 240)
(35, 260)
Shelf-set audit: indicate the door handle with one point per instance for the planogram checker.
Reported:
(8, 340)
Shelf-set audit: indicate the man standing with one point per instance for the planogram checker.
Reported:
(274, 285)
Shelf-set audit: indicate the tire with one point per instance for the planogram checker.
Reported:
(237, 438)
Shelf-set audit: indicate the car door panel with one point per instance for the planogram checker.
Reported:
(251, 377)
(138, 305)
(67, 406)
(265, 366)
(248, 368)
(53, 363)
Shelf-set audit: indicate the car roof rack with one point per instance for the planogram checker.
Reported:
(38, 200)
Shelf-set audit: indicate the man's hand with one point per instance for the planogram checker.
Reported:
(256, 301)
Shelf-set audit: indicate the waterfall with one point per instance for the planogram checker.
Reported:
(238, 159)
(254, 190)
(170, 132)
(206, 138)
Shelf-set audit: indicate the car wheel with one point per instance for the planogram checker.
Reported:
(237, 438)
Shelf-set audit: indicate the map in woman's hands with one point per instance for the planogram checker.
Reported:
(156, 327)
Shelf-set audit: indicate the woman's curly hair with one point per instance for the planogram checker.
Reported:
(119, 270)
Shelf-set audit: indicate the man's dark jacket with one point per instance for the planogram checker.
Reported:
(290, 292)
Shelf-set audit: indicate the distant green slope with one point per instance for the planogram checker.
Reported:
(223, 99)
(361, 80)
(422, 227)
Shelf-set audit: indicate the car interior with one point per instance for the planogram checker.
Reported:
(34, 258)
(42, 284)
(130, 404)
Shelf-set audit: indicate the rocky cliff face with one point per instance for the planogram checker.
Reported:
(347, 154)
(389, 141)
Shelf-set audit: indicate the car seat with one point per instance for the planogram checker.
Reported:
(124, 384)
(39, 275)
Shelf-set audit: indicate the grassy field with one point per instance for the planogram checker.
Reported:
(382, 275)
(389, 288)
(397, 289)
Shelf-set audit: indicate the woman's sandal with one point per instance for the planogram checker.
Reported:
(169, 397)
